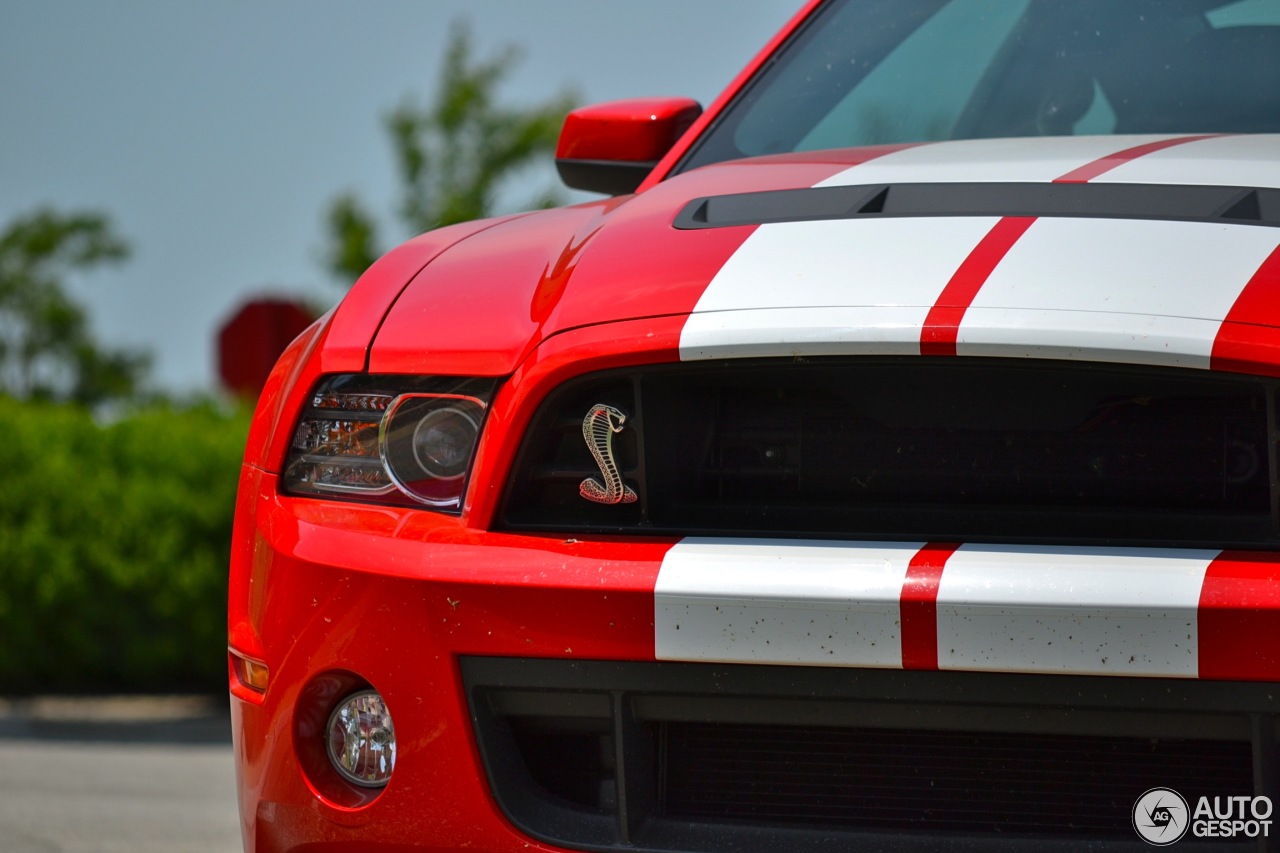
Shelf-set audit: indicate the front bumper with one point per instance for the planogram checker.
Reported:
(332, 596)
(489, 647)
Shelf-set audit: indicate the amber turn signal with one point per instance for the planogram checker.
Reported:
(250, 673)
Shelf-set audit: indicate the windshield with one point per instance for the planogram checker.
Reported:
(869, 72)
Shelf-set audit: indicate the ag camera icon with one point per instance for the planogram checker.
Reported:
(1160, 817)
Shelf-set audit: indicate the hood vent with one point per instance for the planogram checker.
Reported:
(1238, 205)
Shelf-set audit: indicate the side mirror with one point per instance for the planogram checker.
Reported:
(610, 148)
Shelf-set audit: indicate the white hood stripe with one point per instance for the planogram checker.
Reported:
(995, 159)
(1111, 162)
(1048, 298)
(1014, 287)
(1244, 160)
(788, 288)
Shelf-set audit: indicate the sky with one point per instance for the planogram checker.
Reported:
(215, 133)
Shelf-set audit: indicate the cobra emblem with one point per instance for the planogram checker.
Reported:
(598, 428)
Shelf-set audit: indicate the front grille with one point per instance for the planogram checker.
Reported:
(671, 756)
(960, 783)
(917, 449)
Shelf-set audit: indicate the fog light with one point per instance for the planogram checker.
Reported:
(361, 741)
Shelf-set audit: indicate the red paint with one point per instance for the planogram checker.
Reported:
(919, 605)
(941, 329)
(1102, 165)
(484, 305)
(358, 315)
(639, 130)
(1248, 341)
(476, 309)
(1239, 617)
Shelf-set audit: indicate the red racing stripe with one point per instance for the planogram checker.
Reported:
(1102, 165)
(919, 605)
(1239, 617)
(941, 329)
(1248, 341)
(942, 324)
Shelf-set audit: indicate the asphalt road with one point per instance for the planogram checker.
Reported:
(143, 775)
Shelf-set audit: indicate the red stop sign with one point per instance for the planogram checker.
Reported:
(251, 341)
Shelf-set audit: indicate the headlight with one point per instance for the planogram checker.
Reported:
(388, 439)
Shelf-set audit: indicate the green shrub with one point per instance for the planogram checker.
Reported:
(114, 541)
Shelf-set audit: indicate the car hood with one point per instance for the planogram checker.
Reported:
(1139, 249)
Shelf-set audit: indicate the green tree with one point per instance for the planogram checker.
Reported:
(452, 155)
(46, 348)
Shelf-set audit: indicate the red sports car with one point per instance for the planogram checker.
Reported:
(890, 462)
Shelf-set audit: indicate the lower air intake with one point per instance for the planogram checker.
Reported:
(675, 757)
(941, 782)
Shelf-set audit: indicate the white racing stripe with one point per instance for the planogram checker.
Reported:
(1246, 160)
(1087, 336)
(1078, 610)
(893, 268)
(803, 331)
(781, 602)
(1132, 291)
(1119, 290)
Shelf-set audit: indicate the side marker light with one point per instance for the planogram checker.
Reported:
(251, 673)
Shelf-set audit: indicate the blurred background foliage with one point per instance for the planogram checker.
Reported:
(117, 500)
(46, 349)
(116, 507)
(116, 536)
(453, 155)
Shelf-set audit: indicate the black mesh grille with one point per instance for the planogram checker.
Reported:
(607, 755)
(921, 449)
(933, 781)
